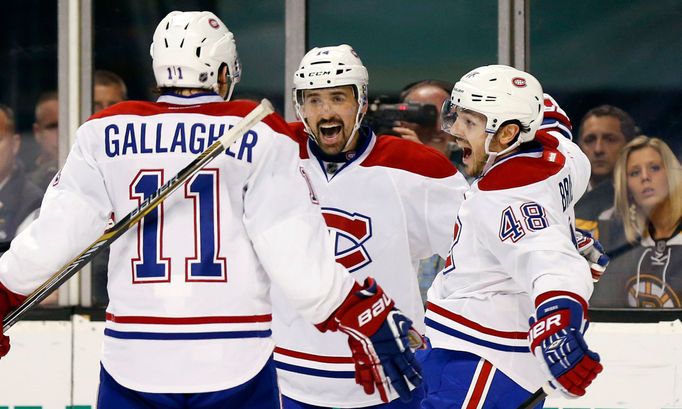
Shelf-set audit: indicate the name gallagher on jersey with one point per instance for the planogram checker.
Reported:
(142, 138)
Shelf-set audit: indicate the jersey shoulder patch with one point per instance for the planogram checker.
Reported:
(524, 170)
(398, 153)
(300, 136)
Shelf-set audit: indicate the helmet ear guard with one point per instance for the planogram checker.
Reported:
(331, 67)
(188, 50)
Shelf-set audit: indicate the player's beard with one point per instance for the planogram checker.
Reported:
(477, 164)
(332, 139)
(474, 158)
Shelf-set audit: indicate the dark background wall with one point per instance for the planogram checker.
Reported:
(586, 53)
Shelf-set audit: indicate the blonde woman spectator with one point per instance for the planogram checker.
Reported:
(648, 197)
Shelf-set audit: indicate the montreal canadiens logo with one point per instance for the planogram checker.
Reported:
(350, 232)
(519, 82)
(213, 23)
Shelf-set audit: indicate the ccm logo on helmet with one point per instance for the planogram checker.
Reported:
(319, 73)
(374, 311)
(213, 23)
(519, 82)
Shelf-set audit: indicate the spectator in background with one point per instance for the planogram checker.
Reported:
(46, 133)
(645, 236)
(432, 92)
(18, 195)
(109, 89)
(604, 131)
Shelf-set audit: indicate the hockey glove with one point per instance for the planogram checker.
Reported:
(8, 302)
(555, 119)
(592, 250)
(378, 338)
(556, 339)
(4, 343)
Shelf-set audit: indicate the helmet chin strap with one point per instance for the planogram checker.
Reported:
(492, 156)
(230, 89)
(358, 118)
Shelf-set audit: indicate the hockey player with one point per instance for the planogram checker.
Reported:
(387, 202)
(188, 323)
(513, 255)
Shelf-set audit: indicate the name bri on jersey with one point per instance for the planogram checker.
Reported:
(142, 138)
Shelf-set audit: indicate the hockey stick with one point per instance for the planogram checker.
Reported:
(68, 270)
(535, 398)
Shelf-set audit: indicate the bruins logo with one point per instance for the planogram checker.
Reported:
(652, 293)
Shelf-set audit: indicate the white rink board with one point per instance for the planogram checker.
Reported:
(38, 370)
(643, 366)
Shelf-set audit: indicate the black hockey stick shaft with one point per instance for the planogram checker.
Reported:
(131, 219)
(534, 399)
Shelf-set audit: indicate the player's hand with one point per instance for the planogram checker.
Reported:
(379, 336)
(4, 341)
(8, 302)
(556, 340)
(592, 250)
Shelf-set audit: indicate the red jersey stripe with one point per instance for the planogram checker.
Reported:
(479, 386)
(313, 357)
(480, 328)
(237, 319)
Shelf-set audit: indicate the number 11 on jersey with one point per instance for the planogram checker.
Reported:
(150, 266)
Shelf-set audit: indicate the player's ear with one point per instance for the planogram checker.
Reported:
(508, 133)
(223, 81)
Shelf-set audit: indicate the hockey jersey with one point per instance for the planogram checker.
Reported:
(392, 204)
(189, 286)
(512, 245)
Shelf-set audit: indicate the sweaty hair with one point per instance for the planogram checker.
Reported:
(9, 113)
(108, 78)
(627, 124)
(444, 85)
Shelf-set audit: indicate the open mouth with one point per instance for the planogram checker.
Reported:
(330, 130)
(466, 152)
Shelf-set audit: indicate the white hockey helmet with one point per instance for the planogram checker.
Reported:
(330, 67)
(500, 93)
(190, 47)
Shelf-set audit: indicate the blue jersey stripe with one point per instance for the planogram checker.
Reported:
(314, 372)
(165, 336)
(458, 334)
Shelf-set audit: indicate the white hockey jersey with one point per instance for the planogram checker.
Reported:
(513, 245)
(393, 204)
(189, 286)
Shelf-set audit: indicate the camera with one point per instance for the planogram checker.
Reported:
(382, 117)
